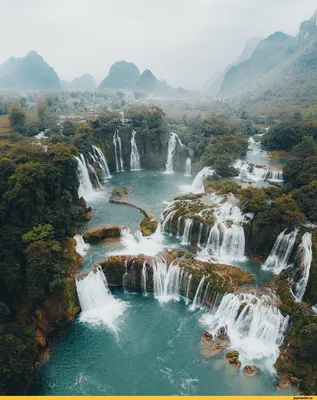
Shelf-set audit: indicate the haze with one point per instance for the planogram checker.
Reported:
(183, 41)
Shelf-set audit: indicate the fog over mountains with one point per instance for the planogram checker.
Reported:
(274, 67)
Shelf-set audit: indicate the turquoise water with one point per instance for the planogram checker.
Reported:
(156, 352)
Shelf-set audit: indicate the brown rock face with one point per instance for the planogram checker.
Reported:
(250, 370)
(94, 235)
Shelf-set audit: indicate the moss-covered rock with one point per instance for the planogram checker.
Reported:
(195, 209)
(95, 235)
(221, 186)
(221, 278)
(119, 193)
(148, 226)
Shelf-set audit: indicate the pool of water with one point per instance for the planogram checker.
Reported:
(151, 190)
(155, 352)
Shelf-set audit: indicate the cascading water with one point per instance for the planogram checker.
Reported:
(98, 305)
(281, 252)
(169, 217)
(144, 279)
(118, 151)
(248, 172)
(189, 279)
(188, 167)
(85, 189)
(304, 256)
(179, 220)
(92, 170)
(170, 153)
(197, 299)
(102, 162)
(199, 234)
(135, 157)
(135, 243)
(205, 295)
(166, 280)
(226, 240)
(187, 232)
(198, 183)
(81, 246)
(254, 325)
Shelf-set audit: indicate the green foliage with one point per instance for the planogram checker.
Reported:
(150, 116)
(306, 198)
(221, 186)
(4, 312)
(221, 153)
(17, 359)
(253, 200)
(68, 128)
(17, 119)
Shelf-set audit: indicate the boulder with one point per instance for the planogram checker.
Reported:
(94, 235)
(212, 347)
(250, 370)
(207, 336)
(283, 383)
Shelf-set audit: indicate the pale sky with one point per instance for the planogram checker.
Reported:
(182, 41)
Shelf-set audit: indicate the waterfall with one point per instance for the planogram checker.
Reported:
(170, 153)
(205, 295)
(254, 325)
(85, 189)
(188, 167)
(118, 151)
(189, 279)
(143, 279)
(187, 232)
(198, 182)
(179, 220)
(135, 243)
(166, 281)
(98, 305)
(304, 256)
(199, 234)
(281, 252)
(226, 240)
(197, 298)
(257, 173)
(135, 157)
(81, 246)
(168, 219)
(92, 170)
(102, 162)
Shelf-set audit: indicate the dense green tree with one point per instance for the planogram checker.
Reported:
(17, 119)
(253, 200)
(68, 128)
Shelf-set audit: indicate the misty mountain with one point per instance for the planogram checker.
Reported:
(282, 69)
(149, 83)
(83, 82)
(122, 75)
(29, 72)
(267, 54)
(213, 85)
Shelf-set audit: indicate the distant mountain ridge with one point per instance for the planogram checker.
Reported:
(29, 72)
(80, 83)
(214, 83)
(282, 69)
(122, 75)
(126, 75)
